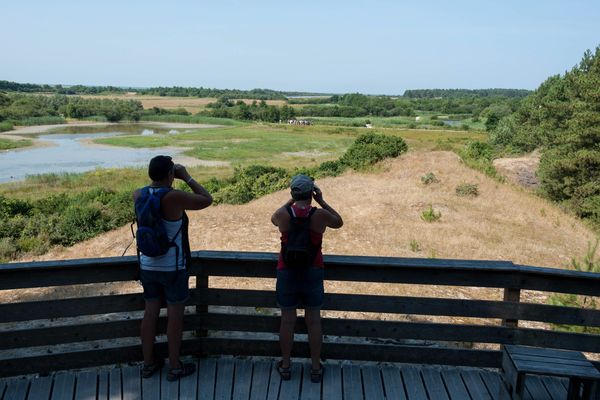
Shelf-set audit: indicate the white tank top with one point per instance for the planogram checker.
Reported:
(167, 262)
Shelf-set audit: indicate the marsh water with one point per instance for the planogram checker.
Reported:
(68, 150)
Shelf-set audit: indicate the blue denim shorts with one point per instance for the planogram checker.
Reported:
(302, 288)
(172, 285)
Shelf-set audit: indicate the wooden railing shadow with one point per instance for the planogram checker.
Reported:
(33, 347)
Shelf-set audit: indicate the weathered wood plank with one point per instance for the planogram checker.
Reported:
(454, 384)
(243, 379)
(554, 387)
(188, 385)
(475, 385)
(224, 379)
(372, 383)
(392, 381)
(536, 388)
(260, 380)
(87, 385)
(538, 351)
(207, 372)
(151, 387)
(2, 387)
(416, 305)
(40, 388)
(495, 386)
(415, 390)
(132, 383)
(115, 384)
(332, 382)
(168, 390)
(274, 383)
(16, 389)
(310, 390)
(103, 385)
(290, 390)
(352, 381)
(64, 386)
(434, 385)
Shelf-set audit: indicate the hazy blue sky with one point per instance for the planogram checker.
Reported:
(326, 46)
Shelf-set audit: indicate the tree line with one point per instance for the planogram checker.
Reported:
(461, 93)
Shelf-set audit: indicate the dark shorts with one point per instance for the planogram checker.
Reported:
(172, 285)
(302, 289)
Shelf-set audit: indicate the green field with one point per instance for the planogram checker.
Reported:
(7, 144)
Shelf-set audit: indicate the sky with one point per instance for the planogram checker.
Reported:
(372, 47)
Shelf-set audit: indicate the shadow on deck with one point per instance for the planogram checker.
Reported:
(257, 378)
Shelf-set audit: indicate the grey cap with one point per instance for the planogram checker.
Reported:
(302, 184)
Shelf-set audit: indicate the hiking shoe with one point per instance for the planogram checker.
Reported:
(184, 370)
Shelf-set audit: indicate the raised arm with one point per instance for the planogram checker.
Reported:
(191, 201)
(331, 217)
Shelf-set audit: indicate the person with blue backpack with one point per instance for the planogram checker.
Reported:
(164, 254)
(300, 268)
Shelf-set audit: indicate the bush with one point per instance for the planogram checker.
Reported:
(430, 215)
(467, 190)
(6, 126)
(479, 156)
(429, 178)
(370, 148)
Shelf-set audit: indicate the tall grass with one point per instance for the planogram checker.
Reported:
(6, 126)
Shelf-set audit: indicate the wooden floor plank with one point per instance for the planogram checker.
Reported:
(372, 383)
(536, 389)
(64, 386)
(2, 387)
(115, 384)
(555, 388)
(392, 382)
(243, 379)
(207, 373)
(103, 385)
(40, 388)
(86, 385)
(455, 385)
(224, 379)
(151, 387)
(495, 386)
(168, 389)
(352, 382)
(274, 383)
(475, 385)
(309, 389)
(434, 385)
(188, 385)
(132, 382)
(261, 375)
(16, 389)
(332, 382)
(290, 390)
(413, 383)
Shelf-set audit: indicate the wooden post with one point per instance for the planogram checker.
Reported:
(514, 295)
(201, 284)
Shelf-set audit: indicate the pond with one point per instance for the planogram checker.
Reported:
(69, 149)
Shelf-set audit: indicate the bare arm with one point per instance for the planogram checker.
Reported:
(191, 201)
(332, 218)
(276, 217)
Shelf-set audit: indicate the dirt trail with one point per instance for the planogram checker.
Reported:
(520, 170)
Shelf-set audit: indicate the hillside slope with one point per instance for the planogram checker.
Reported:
(382, 214)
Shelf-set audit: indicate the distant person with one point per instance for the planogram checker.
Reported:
(300, 268)
(165, 276)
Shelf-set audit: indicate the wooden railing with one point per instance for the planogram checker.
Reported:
(46, 345)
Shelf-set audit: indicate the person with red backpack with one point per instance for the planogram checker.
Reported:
(163, 254)
(300, 268)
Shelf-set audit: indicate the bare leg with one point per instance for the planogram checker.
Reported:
(174, 330)
(286, 335)
(148, 331)
(315, 336)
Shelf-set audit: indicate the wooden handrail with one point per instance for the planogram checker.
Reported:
(212, 328)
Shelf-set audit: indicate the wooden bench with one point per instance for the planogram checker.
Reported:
(520, 361)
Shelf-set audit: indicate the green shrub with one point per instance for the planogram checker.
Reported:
(7, 249)
(370, 148)
(467, 190)
(6, 126)
(480, 156)
(430, 215)
(330, 168)
(40, 121)
(415, 247)
(429, 178)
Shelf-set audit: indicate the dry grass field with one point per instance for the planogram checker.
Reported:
(382, 216)
(191, 104)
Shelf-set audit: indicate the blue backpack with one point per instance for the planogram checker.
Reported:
(151, 236)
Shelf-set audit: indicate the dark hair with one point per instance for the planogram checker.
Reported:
(159, 167)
